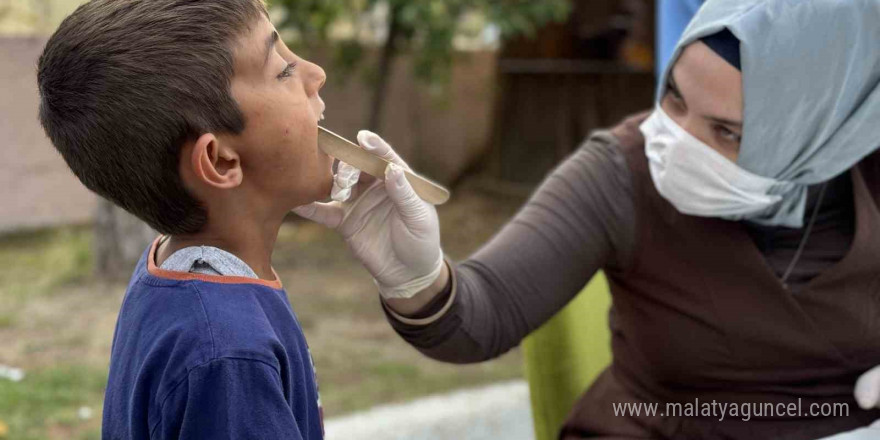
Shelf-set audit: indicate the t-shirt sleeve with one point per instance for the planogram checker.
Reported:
(228, 399)
(579, 220)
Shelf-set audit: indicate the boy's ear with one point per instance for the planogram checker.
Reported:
(215, 164)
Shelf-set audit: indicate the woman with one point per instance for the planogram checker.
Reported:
(736, 225)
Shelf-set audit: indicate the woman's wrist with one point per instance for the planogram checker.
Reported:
(412, 306)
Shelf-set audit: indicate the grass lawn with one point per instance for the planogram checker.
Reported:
(57, 321)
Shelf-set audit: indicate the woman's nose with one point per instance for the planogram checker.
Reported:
(689, 125)
(687, 122)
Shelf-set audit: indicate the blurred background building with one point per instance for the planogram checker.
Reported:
(509, 109)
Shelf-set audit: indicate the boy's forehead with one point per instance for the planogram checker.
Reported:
(252, 47)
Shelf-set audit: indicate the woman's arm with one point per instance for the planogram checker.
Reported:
(580, 219)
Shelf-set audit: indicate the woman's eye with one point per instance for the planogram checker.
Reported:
(674, 97)
(727, 134)
(674, 102)
(287, 71)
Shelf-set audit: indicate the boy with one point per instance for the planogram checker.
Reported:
(195, 117)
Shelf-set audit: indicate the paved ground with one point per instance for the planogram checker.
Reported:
(499, 411)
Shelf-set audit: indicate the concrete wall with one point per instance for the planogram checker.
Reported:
(37, 189)
(34, 17)
(438, 138)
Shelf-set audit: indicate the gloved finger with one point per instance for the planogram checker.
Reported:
(413, 211)
(365, 182)
(340, 194)
(346, 175)
(373, 143)
(361, 182)
(867, 392)
(327, 214)
(345, 179)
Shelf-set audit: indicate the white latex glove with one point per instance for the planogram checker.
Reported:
(867, 391)
(867, 394)
(393, 232)
(344, 180)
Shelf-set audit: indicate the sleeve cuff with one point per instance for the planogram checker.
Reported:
(436, 316)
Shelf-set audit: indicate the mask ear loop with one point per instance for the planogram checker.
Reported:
(801, 246)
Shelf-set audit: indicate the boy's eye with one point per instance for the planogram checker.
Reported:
(287, 71)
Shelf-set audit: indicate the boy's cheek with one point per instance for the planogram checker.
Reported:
(299, 133)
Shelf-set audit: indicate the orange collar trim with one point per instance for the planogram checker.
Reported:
(187, 276)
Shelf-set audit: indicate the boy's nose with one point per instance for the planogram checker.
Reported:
(317, 77)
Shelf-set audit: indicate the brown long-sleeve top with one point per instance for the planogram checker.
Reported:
(582, 219)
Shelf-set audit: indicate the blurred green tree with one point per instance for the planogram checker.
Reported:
(424, 28)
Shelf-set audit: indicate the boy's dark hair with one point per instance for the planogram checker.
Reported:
(124, 83)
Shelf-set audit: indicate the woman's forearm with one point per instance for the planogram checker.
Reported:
(579, 220)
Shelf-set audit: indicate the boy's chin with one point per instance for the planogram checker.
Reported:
(321, 191)
(317, 192)
(326, 188)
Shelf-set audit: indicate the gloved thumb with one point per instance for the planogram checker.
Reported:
(412, 209)
(867, 392)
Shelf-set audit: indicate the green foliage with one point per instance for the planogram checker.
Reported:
(41, 262)
(51, 396)
(427, 28)
(523, 17)
(311, 19)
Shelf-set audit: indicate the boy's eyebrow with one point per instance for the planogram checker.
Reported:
(270, 43)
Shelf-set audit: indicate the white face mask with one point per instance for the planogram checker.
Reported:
(698, 180)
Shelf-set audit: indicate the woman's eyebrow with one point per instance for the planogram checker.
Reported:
(674, 88)
(270, 44)
(724, 121)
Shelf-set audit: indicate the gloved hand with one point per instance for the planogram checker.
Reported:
(393, 232)
(867, 394)
(867, 390)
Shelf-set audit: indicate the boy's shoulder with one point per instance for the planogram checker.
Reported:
(205, 320)
(173, 322)
(175, 337)
(228, 315)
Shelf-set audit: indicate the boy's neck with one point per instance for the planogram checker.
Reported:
(253, 245)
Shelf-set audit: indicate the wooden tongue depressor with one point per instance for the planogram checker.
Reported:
(352, 154)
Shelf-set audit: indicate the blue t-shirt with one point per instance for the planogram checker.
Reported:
(200, 356)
